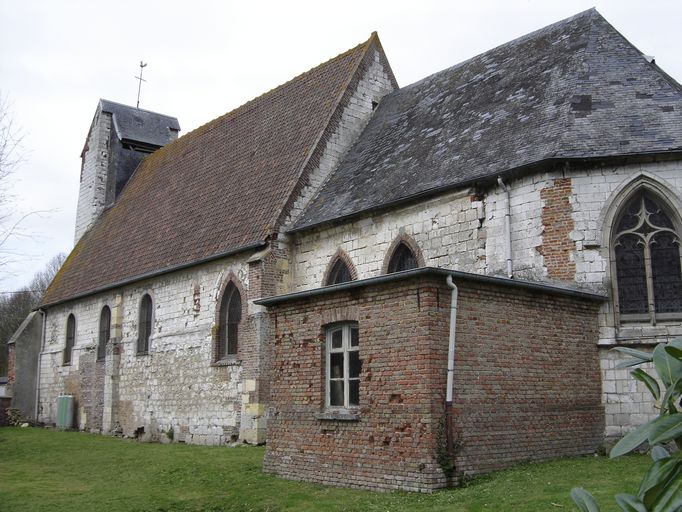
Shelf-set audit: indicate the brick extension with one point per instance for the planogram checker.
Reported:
(526, 382)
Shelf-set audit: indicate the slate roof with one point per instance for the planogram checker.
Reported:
(217, 190)
(137, 125)
(576, 89)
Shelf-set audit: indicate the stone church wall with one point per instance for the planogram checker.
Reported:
(447, 230)
(595, 195)
(93, 178)
(176, 390)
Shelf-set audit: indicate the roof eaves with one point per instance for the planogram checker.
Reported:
(154, 273)
(513, 172)
(21, 328)
(424, 271)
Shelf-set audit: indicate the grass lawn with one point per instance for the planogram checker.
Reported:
(53, 471)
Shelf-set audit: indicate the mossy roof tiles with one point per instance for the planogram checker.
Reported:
(576, 89)
(217, 189)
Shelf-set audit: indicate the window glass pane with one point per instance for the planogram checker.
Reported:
(232, 330)
(235, 308)
(145, 324)
(354, 364)
(631, 275)
(104, 332)
(336, 392)
(631, 216)
(354, 392)
(665, 267)
(337, 338)
(657, 217)
(340, 273)
(354, 337)
(402, 259)
(70, 338)
(336, 365)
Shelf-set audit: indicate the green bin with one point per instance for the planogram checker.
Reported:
(65, 412)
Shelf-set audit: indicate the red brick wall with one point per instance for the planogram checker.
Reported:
(557, 220)
(527, 383)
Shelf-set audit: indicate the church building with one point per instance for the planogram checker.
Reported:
(393, 288)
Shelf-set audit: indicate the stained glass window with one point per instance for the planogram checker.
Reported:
(647, 257)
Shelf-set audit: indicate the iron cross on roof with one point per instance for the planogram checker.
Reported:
(139, 87)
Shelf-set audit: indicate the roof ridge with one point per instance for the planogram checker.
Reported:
(591, 12)
(135, 108)
(651, 63)
(244, 107)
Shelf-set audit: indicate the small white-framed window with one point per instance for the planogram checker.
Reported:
(343, 366)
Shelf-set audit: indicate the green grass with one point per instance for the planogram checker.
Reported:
(53, 471)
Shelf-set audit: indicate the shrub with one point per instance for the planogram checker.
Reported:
(661, 486)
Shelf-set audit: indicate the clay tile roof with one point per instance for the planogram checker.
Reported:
(576, 89)
(214, 191)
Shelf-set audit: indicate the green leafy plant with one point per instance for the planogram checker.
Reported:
(661, 487)
(443, 456)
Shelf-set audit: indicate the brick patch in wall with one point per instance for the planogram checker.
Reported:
(557, 220)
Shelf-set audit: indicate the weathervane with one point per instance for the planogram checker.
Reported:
(139, 87)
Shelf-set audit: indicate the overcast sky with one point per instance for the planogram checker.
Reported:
(208, 57)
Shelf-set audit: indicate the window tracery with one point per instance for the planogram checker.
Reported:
(647, 260)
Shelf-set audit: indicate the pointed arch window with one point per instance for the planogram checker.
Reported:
(648, 264)
(339, 273)
(145, 325)
(228, 323)
(402, 259)
(104, 332)
(70, 339)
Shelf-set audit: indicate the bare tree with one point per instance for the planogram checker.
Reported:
(10, 156)
(15, 306)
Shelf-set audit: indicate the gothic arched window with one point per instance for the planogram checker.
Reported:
(104, 332)
(646, 248)
(145, 325)
(70, 338)
(339, 273)
(402, 259)
(228, 322)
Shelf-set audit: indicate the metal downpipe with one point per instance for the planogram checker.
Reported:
(451, 363)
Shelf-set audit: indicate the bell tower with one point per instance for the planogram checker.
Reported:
(120, 137)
